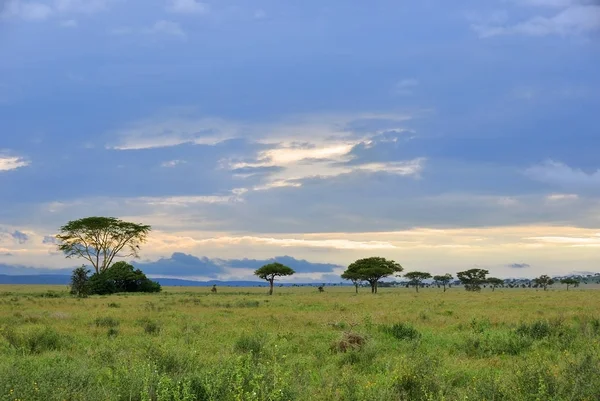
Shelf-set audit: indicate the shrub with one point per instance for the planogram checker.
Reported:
(80, 282)
(402, 331)
(121, 277)
(150, 326)
(113, 305)
(247, 343)
(112, 332)
(106, 321)
(34, 341)
(536, 330)
(350, 341)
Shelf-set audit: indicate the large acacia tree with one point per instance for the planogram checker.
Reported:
(472, 279)
(543, 281)
(371, 270)
(272, 270)
(100, 240)
(443, 280)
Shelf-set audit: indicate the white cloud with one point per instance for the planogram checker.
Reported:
(406, 86)
(573, 20)
(71, 23)
(12, 163)
(187, 7)
(172, 163)
(27, 10)
(562, 197)
(560, 174)
(167, 28)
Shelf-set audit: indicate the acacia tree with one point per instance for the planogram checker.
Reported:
(372, 270)
(272, 270)
(101, 239)
(443, 280)
(354, 277)
(570, 281)
(472, 278)
(416, 278)
(495, 282)
(544, 281)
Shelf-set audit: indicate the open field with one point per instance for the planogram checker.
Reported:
(240, 344)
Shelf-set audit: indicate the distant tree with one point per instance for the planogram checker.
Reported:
(121, 277)
(80, 282)
(543, 281)
(443, 280)
(214, 289)
(272, 270)
(495, 282)
(472, 279)
(371, 270)
(354, 277)
(570, 281)
(101, 239)
(416, 278)
(321, 289)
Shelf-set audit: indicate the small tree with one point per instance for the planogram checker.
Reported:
(443, 280)
(354, 277)
(372, 270)
(80, 282)
(544, 281)
(472, 279)
(570, 281)
(121, 277)
(101, 239)
(272, 270)
(495, 282)
(416, 278)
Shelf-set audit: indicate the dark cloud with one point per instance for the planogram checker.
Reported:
(519, 265)
(181, 264)
(49, 239)
(21, 237)
(299, 265)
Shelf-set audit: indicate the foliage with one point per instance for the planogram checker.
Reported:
(495, 282)
(472, 279)
(121, 277)
(570, 281)
(101, 239)
(402, 331)
(270, 271)
(443, 280)
(80, 282)
(354, 276)
(416, 278)
(543, 281)
(372, 270)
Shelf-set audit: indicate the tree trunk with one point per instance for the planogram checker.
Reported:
(444, 287)
(417, 287)
(356, 287)
(567, 287)
(271, 287)
(493, 288)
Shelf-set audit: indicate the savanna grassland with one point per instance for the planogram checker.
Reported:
(240, 344)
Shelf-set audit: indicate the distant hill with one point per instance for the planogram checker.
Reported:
(62, 279)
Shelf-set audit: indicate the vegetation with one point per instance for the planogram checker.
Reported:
(100, 240)
(543, 281)
(120, 277)
(371, 270)
(416, 278)
(80, 282)
(355, 277)
(443, 280)
(299, 344)
(495, 282)
(271, 271)
(473, 279)
(569, 282)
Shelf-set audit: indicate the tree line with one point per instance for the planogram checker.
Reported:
(100, 240)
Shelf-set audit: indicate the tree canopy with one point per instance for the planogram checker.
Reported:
(121, 277)
(543, 281)
(570, 281)
(372, 270)
(270, 271)
(355, 277)
(101, 239)
(416, 278)
(443, 280)
(472, 279)
(495, 282)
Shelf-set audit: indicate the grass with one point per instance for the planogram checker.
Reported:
(187, 344)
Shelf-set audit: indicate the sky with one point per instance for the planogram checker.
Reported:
(445, 135)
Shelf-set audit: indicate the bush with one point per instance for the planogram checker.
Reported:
(250, 344)
(150, 326)
(349, 342)
(121, 277)
(34, 341)
(402, 331)
(106, 322)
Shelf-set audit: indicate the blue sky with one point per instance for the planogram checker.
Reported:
(444, 135)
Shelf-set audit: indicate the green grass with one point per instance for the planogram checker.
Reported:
(240, 344)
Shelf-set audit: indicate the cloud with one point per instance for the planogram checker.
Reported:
(49, 239)
(406, 86)
(38, 11)
(573, 20)
(32, 11)
(71, 23)
(519, 266)
(557, 173)
(167, 28)
(187, 7)
(20, 236)
(12, 163)
(172, 163)
(181, 264)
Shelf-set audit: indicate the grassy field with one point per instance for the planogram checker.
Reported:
(240, 344)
